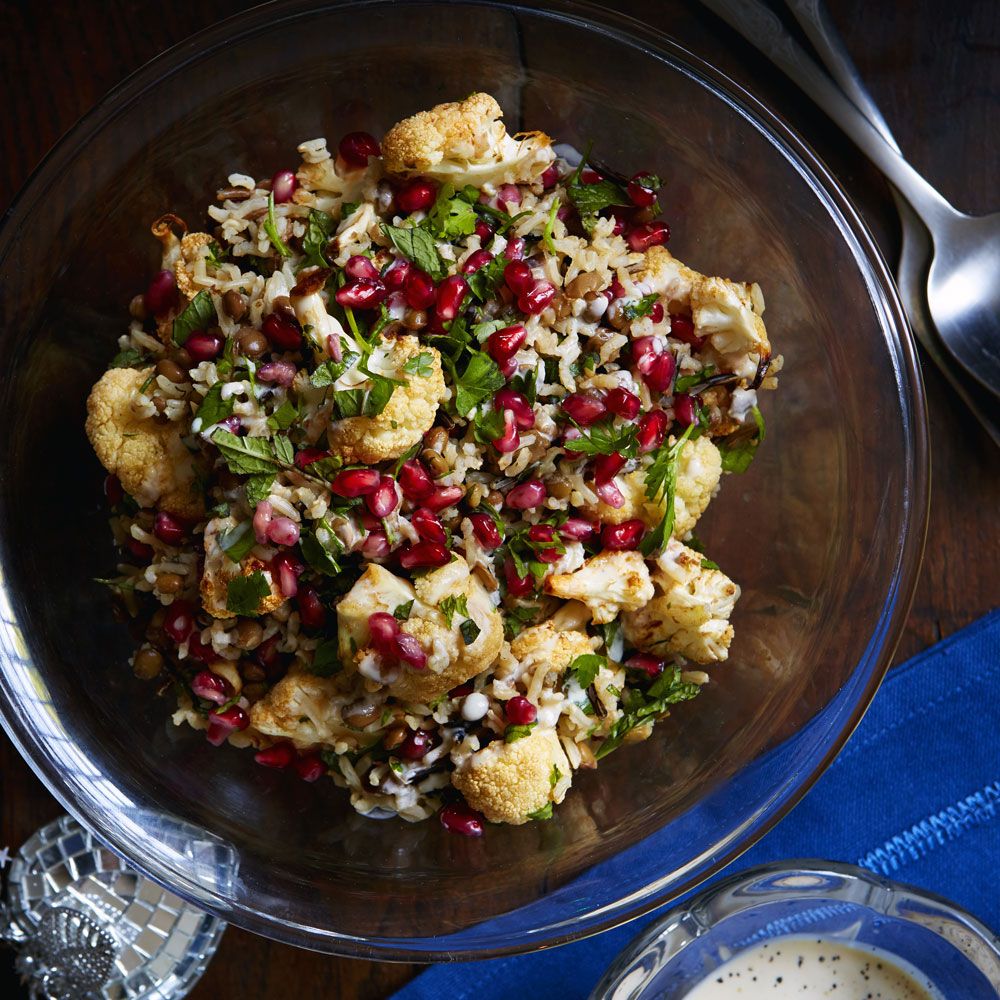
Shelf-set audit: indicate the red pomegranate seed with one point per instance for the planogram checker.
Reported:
(358, 267)
(540, 534)
(262, 516)
(368, 520)
(656, 313)
(483, 230)
(376, 545)
(211, 687)
(450, 294)
(510, 440)
(410, 652)
(416, 196)
(606, 467)
(288, 570)
(395, 277)
(419, 290)
(278, 756)
(520, 711)
(361, 294)
(179, 621)
(590, 176)
(527, 496)
(113, 491)
(624, 536)
(277, 373)
(139, 549)
(476, 260)
(161, 292)
(355, 482)
(622, 217)
(518, 277)
(282, 332)
(383, 628)
(283, 185)
(647, 664)
(517, 586)
(550, 177)
(652, 430)
(685, 411)
(584, 408)
(231, 424)
(536, 299)
(428, 526)
(266, 654)
(356, 147)
(168, 529)
(384, 499)
(576, 529)
(660, 376)
(306, 457)
(682, 328)
(616, 290)
(418, 743)
(515, 248)
(649, 234)
(610, 494)
(486, 531)
(645, 351)
(442, 497)
(310, 767)
(508, 399)
(461, 691)
(312, 614)
(622, 403)
(642, 189)
(204, 346)
(221, 724)
(423, 555)
(415, 481)
(509, 194)
(503, 344)
(461, 819)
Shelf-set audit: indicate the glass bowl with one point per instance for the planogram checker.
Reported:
(824, 532)
(944, 944)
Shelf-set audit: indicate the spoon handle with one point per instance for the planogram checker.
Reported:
(763, 29)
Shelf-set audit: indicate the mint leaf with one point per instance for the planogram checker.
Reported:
(236, 542)
(738, 450)
(488, 426)
(283, 417)
(452, 605)
(402, 611)
(213, 407)
(329, 371)
(589, 199)
(283, 450)
(687, 382)
(418, 246)
(259, 488)
(271, 228)
(199, 314)
(480, 379)
(484, 282)
(514, 733)
(709, 564)
(326, 659)
(319, 228)
(321, 555)
(244, 594)
(129, 358)
(661, 486)
(542, 814)
(585, 668)
(470, 631)
(245, 455)
(555, 776)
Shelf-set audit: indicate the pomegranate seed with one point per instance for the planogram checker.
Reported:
(161, 292)
(509, 194)
(660, 376)
(333, 347)
(527, 496)
(113, 491)
(624, 536)
(312, 614)
(683, 329)
(551, 176)
(221, 724)
(461, 819)
(647, 664)
(355, 482)
(419, 290)
(616, 290)
(283, 185)
(262, 516)
(584, 408)
(168, 529)
(508, 368)
(450, 294)
(685, 411)
(483, 230)
(427, 526)
(590, 176)
(540, 534)
(656, 313)
(179, 621)
(368, 520)
(415, 745)
(652, 430)
(204, 346)
(282, 333)
(287, 569)
(444, 496)
(622, 217)
(358, 267)
(277, 373)
(417, 196)
(508, 399)
(461, 691)
(576, 529)
(306, 457)
(518, 277)
(278, 756)
(410, 652)
(510, 440)
(536, 299)
(266, 654)
(383, 628)
(356, 147)
(642, 189)
(476, 260)
(415, 481)
(423, 555)
(645, 351)
(200, 651)
(606, 467)
(517, 586)
(376, 545)
(395, 277)
(503, 344)
(486, 531)
(231, 424)
(515, 248)
(649, 234)
(310, 767)
(361, 294)
(610, 494)
(384, 500)
(622, 403)
(520, 711)
(211, 687)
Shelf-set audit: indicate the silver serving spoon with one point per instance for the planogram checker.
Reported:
(963, 285)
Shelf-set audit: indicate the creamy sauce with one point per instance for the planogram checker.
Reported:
(814, 967)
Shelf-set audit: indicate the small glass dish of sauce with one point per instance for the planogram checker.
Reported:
(809, 929)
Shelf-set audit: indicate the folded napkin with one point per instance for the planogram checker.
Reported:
(915, 796)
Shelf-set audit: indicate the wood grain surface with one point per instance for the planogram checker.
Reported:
(935, 71)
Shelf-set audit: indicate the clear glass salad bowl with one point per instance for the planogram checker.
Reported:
(823, 533)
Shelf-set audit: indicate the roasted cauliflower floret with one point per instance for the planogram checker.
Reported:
(699, 469)
(148, 457)
(322, 187)
(191, 247)
(302, 708)
(465, 143)
(375, 590)
(507, 782)
(539, 657)
(689, 613)
(608, 584)
(408, 415)
(633, 489)
(220, 571)
(661, 273)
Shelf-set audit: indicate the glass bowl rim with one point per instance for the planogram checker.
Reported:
(894, 328)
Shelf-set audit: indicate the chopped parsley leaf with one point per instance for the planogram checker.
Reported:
(271, 228)
(244, 594)
(604, 438)
(738, 450)
(636, 310)
(326, 659)
(480, 379)
(402, 611)
(319, 228)
(585, 668)
(542, 814)
(237, 541)
(421, 364)
(661, 487)
(470, 631)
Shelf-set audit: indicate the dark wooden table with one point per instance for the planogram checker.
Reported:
(934, 69)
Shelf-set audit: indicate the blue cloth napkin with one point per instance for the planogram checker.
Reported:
(915, 796)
